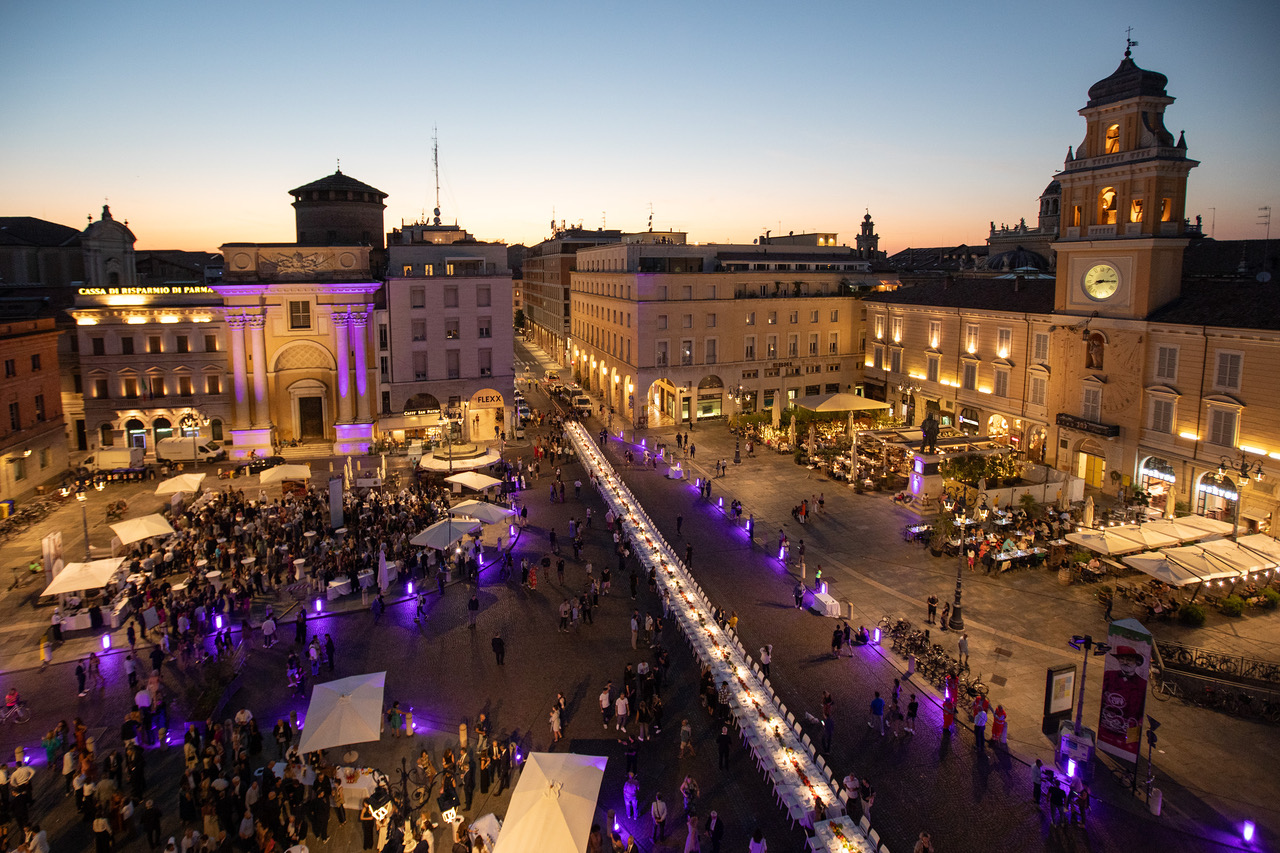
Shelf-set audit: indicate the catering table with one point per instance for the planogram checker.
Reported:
(839, 834)
(306, 775)
(366, 579)
(825, 604)
(78, 621)
(354, 793)
(339, 587)
(120, 611)
(1006, 560)
(214, 578)
(675, 472)
(790, 764)
(299, 568)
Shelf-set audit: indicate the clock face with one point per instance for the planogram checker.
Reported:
(1101, 281)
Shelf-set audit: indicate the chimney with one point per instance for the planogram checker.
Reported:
(1017, 283)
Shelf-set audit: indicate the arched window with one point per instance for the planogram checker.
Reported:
(162, 428)
(215, 429)
(1113, 139)
(113, 279)
(135, 432)
(1107, 206)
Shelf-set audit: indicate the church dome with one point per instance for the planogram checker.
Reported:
(1053, 189)
(109, 228)
(1017, 259)
(340, 185)
(1127, 81)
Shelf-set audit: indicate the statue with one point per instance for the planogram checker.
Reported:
(1093, 358)
(929, 428)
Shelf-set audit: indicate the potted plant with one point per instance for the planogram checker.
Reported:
(944, 530)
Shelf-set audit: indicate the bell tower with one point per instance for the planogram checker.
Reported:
(1123, 201)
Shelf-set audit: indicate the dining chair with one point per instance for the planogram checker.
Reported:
(875, 839)
(865, 823)
(805, 738)
(822, 763)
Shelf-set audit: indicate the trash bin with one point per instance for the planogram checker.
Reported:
(6, 509)
(1155, 801)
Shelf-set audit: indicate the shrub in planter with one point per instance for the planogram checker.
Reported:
(1271, 598)
(1191, 615)
(1232, 605)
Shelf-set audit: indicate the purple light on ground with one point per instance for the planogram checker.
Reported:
(876, 640)
(1249, 830)
(217, 622)
(1071, 768)
(319, 606)
(106, 642)
(410, 588)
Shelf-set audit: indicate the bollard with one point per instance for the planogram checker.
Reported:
(1155, 801)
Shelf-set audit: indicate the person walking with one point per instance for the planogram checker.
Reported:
(924, 844)
(554, 720)
(679, 523)
(499, 649)
(946, 614)
(622, 708)
(635, 627)
(913, 708)
(328, 651)
(606, 703)
(473, 609)
(723, 740)
(81, 676)
(963, 648)
(999, 726)
(686, 738)
(1037, 781)
(766, 657)
(877, 714)
(631, 796)
(798, 592)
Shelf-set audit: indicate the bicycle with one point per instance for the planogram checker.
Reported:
(19, 713)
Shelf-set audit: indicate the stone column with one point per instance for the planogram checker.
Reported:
(261, 408)
(343, 347)
(364, 397)
(239, 372)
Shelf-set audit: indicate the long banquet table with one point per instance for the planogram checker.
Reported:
(774, 737)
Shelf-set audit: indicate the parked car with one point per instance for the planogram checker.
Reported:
(259, 464)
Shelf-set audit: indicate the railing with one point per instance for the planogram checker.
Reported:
(1197, 661)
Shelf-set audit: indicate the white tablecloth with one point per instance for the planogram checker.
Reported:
(337, 588)
(825, 604)
(304, 773)
(366, 579)
(354, 793)
(791, 765)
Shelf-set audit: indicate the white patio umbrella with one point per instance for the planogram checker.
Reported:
(1207, 526)
(431, 463)
(189, 483)
(553, 805)
(1106, 542)
(1162, 569)
(1175, 527)
(839, 402)
(1232, 556)
(136, 529)
(1262, 544)
(443, 534)
(77, 576)
(1145, 536)
(343, 712)
(472, 480)
(486, 512)
(280, 473)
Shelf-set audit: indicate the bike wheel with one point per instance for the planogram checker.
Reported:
(21, 714)
(979, 687)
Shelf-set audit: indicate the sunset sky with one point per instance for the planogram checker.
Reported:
(728, 118)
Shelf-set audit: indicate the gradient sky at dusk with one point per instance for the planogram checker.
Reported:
(729, 118)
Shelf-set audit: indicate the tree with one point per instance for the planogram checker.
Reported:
(518, 322)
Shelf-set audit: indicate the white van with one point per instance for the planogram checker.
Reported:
(186, 450)
(582, 404)
(116, 458)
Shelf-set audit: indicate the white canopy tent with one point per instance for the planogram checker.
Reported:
(280, 473)
(553, 805)
(443, 534)
(431, 462)
(343, 712)
(486, 512)
(136, 529)
(78, 576)
(472, 480)
(188, 483)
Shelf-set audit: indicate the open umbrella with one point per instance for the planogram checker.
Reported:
(486, 512)
(136, 529)
(1207, 526)
(1146, 536)
(443, 534)
(472, 480)
(77, 576)
(839, 402)
(1105, 541)
(345, 711)
(553, 805)
(189, 483)
(280, 473)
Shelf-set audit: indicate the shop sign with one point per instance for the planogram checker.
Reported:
(1072, 422)
(486, 400)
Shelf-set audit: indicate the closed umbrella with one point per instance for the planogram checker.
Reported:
(1088, 511)
(777, 411)
(383, 582)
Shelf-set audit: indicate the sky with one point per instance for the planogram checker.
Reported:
(722, 118)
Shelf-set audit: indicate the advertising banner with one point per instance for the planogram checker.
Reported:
(1124, 689)
(335, 501)
(51, 552)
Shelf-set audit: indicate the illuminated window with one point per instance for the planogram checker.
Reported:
(971, 338)
(879, 327)
(1166, 209)
(771, 347)
(1113, 139)
(935, 333)
(1135, 210)
(1004, 342)
(896, 325)
(1107, 206)
(1076, 213)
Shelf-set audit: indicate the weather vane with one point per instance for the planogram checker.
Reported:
(1129, 43)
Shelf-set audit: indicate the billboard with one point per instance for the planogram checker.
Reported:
(1124, 689)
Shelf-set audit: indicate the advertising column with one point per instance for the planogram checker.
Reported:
(1124, 689)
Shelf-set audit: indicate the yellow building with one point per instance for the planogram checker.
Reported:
(299, 345)
(1149, 360)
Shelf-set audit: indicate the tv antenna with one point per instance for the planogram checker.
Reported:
(435, 162)
(651, 217)
(1264, 218)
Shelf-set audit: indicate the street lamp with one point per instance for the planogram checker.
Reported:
(82, 498)
(448, 437)
(956, 622)
(1087, 644)
(1242, 469)
(191, 422)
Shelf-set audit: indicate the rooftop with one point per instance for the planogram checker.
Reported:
(991, 294)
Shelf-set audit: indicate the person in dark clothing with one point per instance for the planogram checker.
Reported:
(150, 820)
(723, 740)
(328, 651)
(499, 648)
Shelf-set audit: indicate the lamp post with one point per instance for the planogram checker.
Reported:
(1242, 469)
(82, 498)
(1087, 644)
(191, 421)
(448, 437)
(956, 622)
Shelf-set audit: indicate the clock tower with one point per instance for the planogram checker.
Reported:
(1124, 192)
